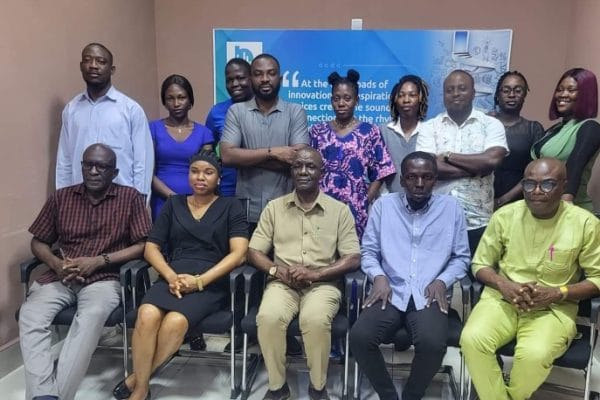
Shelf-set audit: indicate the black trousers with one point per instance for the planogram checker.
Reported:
(474, 238)
(429, 330)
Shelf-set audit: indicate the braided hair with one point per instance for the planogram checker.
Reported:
(423, 96)
(502, 78)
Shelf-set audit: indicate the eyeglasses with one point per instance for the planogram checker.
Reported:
(546, 186)
(100, 167)
(517, 90)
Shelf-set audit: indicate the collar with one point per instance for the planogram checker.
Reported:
(111, 192)
(475, 115)
(252, 106)
(293, 200)
(396, 127)
(111, 95)
(422, 210)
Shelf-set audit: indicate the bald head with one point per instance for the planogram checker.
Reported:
(462, 73)
(307, 167)
(101, 151)
(312, 153)
(550, 167)
(544, 183)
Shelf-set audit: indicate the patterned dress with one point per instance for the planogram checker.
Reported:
(351, 162)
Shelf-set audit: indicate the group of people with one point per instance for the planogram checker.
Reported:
(312, 211)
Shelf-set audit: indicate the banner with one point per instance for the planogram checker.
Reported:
(381, 57)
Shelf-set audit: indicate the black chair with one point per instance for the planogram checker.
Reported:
(578, 356)
(402, 341)
(66, 316)
(218, 323)
(340, 326)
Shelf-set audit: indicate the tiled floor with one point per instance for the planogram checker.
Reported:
(191, 378)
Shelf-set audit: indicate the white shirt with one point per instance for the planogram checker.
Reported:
(478, 133)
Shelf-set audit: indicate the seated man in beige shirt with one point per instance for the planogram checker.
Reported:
(314, 243)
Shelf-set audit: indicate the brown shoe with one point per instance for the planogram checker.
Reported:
(280, 394)
(314, 394)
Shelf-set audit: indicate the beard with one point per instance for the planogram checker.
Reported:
(267, 96)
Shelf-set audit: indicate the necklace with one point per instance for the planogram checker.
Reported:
(179, 128)
(341, 126)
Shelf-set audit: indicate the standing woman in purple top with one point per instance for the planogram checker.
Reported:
(355, 159)
(176, 139)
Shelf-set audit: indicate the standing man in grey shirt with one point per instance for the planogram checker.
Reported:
(261, 137)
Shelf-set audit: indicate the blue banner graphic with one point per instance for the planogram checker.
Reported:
(381, 57)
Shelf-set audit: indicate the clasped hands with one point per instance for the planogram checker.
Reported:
(528, 296)
(381, 291)
(297, 276)
(77, 269)
(180, 284)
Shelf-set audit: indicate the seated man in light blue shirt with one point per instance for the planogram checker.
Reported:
(414, 248)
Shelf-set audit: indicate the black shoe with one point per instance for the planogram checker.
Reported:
(238, 342)
(314, 394)
(121, 391)
(294, 348)
(280, 394)
(197, 343)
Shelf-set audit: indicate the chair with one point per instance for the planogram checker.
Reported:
(402, 341)
(218, 323)
(340, 326)
(66, 316)
(578, 356)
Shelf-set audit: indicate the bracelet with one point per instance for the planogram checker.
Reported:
(199, 283)
(564, 291)
(269, 155)
(106, 258)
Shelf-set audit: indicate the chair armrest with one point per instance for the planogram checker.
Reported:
(349, 279)
(249, 272)
(595, 308)
(234, 278)
(127, 269)
(27, 268)
(465, 287)
(477, 289)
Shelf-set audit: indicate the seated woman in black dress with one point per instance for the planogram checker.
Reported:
(521, 134)
(206, 237)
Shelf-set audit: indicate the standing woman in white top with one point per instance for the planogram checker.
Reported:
(408, 107)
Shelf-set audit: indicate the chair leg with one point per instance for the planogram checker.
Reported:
(356, 382)
(235, 390)
(125, 350)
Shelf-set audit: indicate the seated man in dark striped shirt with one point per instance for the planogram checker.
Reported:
(97, 226)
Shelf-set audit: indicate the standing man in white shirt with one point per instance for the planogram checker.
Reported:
(469, 145)
(102, 114)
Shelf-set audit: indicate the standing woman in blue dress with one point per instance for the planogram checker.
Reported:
(176, 139)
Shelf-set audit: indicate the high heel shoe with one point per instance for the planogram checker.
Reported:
(121, 391)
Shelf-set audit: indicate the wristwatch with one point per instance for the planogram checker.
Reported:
(447, 156)
(273, 270)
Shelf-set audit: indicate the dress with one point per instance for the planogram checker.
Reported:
(520, 137)
(194, 247)
(577, 144)
(173, 159)
(350, 163)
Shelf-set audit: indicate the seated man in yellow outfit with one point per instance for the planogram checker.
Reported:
(532, 258)
(314, 243)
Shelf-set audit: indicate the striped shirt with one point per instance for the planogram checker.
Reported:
(82, 229)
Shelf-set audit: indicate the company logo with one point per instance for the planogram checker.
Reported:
(244, 50)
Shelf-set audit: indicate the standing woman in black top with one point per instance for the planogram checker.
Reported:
(521, 134)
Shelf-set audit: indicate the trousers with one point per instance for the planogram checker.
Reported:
(541, 338)
(315, 306)
(429, 330)
(94, 302)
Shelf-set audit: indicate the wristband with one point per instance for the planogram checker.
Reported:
(106, 258)
(564, 291)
